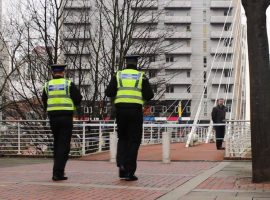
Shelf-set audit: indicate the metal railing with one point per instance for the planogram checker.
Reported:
(35, 138)
(238, 139)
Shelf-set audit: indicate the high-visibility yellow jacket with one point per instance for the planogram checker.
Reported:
(129, 86)
(58, 92)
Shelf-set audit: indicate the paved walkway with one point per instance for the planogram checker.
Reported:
(202, 152)
(27, 179)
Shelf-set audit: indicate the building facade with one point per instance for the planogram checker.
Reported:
(200, 57)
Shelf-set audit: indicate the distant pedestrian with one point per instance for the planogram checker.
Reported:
(60, 98)
(130, 88)
(218, 117)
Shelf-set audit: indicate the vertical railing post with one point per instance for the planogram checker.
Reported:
(113, 146)
(100, 142)
(19, 137)
(83, 141)
(143, 134)
(166, 147)
(151, 134)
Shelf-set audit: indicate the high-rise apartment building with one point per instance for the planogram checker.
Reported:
(201, 56)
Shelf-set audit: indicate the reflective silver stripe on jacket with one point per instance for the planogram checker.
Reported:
(58, 96)
(129, 88)
(129, 97)
(60, 105)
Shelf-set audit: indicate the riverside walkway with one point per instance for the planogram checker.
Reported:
(205, 176)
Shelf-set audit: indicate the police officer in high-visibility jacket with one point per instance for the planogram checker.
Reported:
(129, 88)
(60, 98)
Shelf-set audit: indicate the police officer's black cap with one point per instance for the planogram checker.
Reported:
(58, 67)
(132, 57)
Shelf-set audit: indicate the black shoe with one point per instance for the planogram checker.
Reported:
(131, 178)
(59, 178)
(122, 172)
(221, 148)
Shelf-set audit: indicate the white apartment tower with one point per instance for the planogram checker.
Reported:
(201, 63)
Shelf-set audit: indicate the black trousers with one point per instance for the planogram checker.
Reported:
(220, 133)
(129, 127)
(61, 127)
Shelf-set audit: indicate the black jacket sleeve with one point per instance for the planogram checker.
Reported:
(214, 114)
(147, 91)
(44, 99)
(75, 94)
(111, 89)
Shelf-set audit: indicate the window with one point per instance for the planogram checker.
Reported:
(169, 89)
(228, 12)
(204, 46)
(152, 73)
(227, 27)
(154, 88)
(188, 88)
(205, 92)
(205, 108)
(188, 43)
(188, 28)
(228, 73)
(169, 59)
(87, 109)
(152, 59)
(228, 42)
(188, 109)
(188, 74)
(228, 88)
(204, 15)
(229, 107)
(204, 60)
(204, 76)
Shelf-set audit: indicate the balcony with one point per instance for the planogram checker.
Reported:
(222, 95)
(179, 81)
(222, 50)
(224, 81)
(146, 4)
(77, 4)
(177, 65)
(76, 20)
(178, 35)
(220, 34)
(222, 65)
(146, 35)
(221, 19)
(177, 4)
(76, 35)
(76, 51)
(220, 4)
(177, 96)
(147, 19)
(181, 50)
(177, 20)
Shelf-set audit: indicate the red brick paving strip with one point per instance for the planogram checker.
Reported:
(96, 180)
(179, 152)
(232, 183)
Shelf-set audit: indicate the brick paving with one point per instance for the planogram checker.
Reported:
(96, 180)
(201, 152)
(235, 177)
